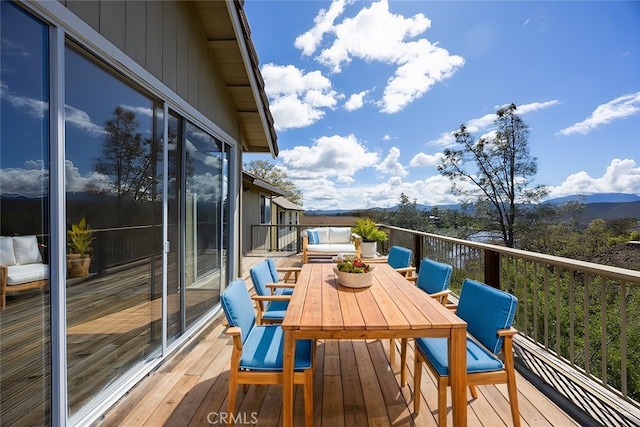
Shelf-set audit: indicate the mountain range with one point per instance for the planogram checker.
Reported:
(604, 205)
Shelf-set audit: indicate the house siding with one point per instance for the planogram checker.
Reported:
(165, 38)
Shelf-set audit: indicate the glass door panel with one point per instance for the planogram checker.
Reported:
(25, 369)
(203, 222)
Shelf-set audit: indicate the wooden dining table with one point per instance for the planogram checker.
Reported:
(392, 307)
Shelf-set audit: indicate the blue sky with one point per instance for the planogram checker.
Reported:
(366, 95)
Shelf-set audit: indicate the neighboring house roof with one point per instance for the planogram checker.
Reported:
(227, 30)
(253, 182)
(286, 204)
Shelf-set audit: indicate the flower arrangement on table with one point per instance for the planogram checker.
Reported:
(352, 272)
(351, 264)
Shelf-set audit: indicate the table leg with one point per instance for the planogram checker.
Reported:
(287, 378)
(458, 375)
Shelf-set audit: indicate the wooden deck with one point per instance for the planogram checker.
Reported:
(354, 385)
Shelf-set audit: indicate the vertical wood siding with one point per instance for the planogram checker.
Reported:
(165, 38)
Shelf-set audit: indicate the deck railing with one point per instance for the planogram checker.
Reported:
(578, 312)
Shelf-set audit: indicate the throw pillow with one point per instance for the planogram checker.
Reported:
(26, 249)
(314, 237)
(7, 256)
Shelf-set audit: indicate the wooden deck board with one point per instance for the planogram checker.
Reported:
(354, 383)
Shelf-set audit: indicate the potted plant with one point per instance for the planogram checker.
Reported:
(79, 240)
(367, 229)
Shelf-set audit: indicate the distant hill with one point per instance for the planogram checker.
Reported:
(597, 198)
(607, 206)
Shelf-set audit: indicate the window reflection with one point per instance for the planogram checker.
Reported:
(113, 186)
(24, 190)
(203, 215)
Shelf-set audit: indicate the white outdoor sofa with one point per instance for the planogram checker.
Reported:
(325, 242)
(21, 266)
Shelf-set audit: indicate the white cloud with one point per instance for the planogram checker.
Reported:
(34, 107)
(355, 101)
(81, 119)
(329, 156)
(376, 34)
(309, 41)
(391, 166)
(297, 98)
(619, 108)
(484, 124)
(621, 176)
(426, 160)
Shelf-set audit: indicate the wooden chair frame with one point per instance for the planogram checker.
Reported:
(245, 377)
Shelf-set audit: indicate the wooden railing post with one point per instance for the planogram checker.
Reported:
(417, 251)
(492, 268)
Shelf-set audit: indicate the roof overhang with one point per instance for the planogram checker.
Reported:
(229, 36)
(252, 182)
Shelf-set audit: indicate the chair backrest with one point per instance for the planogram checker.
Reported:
(486, 310)
(399, 257)
(433, 276)
(274, 270)
(261, 276)
(238, 307)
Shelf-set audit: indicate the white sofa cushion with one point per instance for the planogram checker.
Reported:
(26, 250)
(333, 248)
(7, 256)
(339, 235)
(18, 274)
(323, 234)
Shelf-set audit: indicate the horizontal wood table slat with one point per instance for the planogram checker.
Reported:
(392, 307)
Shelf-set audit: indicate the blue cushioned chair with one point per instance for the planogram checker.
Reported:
(399, 258)
(489, 315)
(257, 356)
(271, 305)
(287, 271)
(433, 278)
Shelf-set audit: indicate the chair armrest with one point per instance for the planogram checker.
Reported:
(236, 334)
(271, 297)
(441, 296)
(281, 285)
(406, 271)
(507, 332)
(233, 331)
(413, 279)
(288, 271)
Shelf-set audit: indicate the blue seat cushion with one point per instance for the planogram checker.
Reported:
(274, 270)
(275, 310)
(263, 350)
(283, 291)
(486, 310)
(433, 276)
(238, 307)
(261, 276)
(478, 358)
(399, 257)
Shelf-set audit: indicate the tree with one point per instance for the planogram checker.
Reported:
(127, 158)
(503, 169)
(408, 216)
(276, 177)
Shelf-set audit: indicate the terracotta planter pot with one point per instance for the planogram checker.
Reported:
(78, 265)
